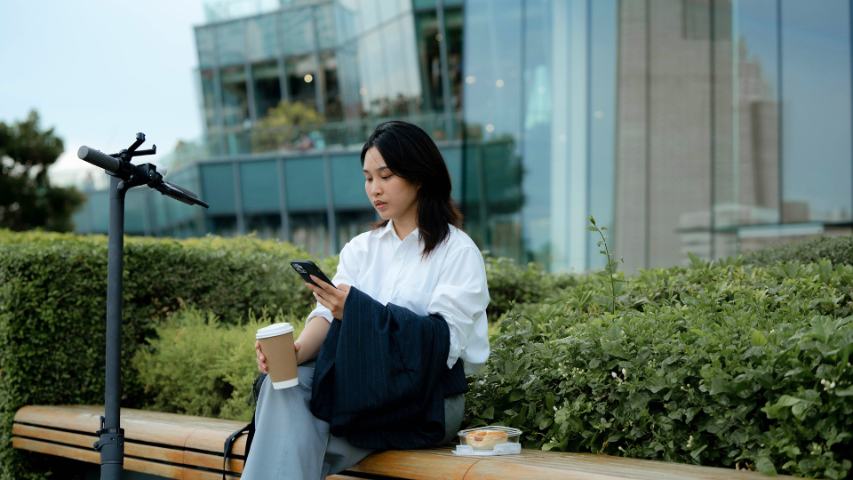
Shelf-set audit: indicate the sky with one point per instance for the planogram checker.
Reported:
(99, 71)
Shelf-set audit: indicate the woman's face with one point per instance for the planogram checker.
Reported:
(391, 195)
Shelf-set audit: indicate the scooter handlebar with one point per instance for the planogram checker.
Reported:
(98, 158)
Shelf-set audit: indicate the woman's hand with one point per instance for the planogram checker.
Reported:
(262, 359)
(329, 296)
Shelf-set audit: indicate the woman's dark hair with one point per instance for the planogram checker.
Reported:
(410, 153)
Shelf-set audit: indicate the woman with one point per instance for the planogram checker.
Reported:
(416, 258)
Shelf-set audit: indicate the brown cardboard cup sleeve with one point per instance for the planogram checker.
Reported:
(277, 344)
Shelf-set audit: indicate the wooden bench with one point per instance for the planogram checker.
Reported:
(186, 447)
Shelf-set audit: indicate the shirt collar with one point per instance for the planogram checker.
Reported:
(389, 228)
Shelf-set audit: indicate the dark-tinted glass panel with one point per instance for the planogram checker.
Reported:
(267, 87)
(301, 81)
(259, 185)
(306, 186)
(348, 183)
(218, 188)
(136, 221)
(453, 160)
(179, 212)
(334, 105)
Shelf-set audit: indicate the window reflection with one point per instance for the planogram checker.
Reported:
(498, 158)
(333, 107)
(538, 99)
(429, 40)
(746, 164)
(816, 126)
(209, 98)
(235, 99)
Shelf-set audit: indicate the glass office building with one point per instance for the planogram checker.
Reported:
(684, 126)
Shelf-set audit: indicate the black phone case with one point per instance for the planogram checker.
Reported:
(306, 267)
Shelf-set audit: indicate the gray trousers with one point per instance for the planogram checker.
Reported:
(291, 443)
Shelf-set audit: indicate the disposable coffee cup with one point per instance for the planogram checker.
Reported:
(277, 345)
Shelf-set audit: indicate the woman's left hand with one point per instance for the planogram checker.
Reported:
(329, 296)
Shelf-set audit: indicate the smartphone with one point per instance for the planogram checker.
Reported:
(306, 267)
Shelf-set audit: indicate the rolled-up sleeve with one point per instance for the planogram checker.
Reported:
(347, 273)
(461, 297)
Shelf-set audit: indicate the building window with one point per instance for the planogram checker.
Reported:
(267, 87)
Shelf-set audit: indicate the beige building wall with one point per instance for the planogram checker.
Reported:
(665, 137)
(697, 142)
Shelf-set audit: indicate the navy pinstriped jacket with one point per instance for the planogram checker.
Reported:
(381, 377)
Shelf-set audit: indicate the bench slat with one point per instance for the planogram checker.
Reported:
(180, 446)
(207, 460)
(416, 464)
(91, 456)
(616, 467)
(86, 442)
(168, 429)
(188, 443)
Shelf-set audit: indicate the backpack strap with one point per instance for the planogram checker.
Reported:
(248, 429)
(229, 443)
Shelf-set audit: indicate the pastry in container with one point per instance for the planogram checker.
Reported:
(491, 440)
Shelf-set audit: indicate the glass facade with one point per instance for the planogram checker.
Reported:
(338, 66)
(709, 127)
(540, 81)
(684, 126)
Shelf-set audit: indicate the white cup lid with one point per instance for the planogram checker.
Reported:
(273, 330)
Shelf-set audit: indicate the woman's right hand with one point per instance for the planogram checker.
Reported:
(262, 359)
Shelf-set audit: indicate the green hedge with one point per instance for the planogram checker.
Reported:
(53, 298)
(198, 365)
(723, 364)
(54, 286)
(838, 250)
(511, 284)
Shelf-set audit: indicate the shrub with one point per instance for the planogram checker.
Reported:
(511, 284)
(198, 365)
(53, 300)
(838, 250)
(723, 364)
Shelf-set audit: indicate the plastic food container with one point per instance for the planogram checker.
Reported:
(491, 440)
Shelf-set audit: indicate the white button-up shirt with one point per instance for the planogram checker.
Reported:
(450, 282)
